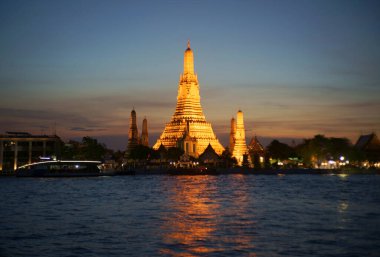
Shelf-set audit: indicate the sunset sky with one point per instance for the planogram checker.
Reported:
(295, 68)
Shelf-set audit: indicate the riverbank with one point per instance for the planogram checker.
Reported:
(250, 171)
(242, 171)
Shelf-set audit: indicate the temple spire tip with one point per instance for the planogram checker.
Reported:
(188, 43)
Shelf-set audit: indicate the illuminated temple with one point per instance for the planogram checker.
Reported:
(238, 145)
(188, 128)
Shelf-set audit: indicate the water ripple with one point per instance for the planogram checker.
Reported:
(227, 215)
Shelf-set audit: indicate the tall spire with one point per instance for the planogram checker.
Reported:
(188, 64)
(144, 134)
(240, 145)
(232, 135)
(188, 119)
(133, 135)
(188, 98)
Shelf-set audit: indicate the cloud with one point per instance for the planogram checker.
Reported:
(43, 115)
(87, 129)
(146, 100)
(355, 62)
(364, 104)
(39, 121)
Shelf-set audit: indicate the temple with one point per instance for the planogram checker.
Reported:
(144, 134)
(238, 145)
(232, 135)
(188, 128)
(133, 134)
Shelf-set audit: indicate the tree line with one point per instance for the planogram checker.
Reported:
(310, 152)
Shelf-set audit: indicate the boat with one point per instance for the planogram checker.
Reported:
(107, 169)
(60, 169)
(119, 172)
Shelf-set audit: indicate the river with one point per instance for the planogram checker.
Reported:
(226, 215)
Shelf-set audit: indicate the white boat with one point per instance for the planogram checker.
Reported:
(60, 169)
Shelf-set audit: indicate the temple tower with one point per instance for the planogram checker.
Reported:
(188, 116)
(232, 135)
(133, 134)
(144, 133)
(256, 152)
(240, 146)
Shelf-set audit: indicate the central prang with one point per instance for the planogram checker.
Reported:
(188, 128)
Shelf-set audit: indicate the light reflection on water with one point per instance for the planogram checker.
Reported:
(199, 216)
(194, 216)
(227, 215)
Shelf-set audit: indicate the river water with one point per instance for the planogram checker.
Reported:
(226, 215)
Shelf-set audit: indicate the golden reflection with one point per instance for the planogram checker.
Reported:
(197, 221)
(342, 207)
(343, 176)
(195, 215)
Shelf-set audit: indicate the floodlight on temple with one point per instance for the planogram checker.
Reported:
(238, 145)
(188, 128)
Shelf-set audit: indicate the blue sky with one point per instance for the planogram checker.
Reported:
(295, 68)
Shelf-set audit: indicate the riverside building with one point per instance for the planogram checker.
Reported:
(19, 148)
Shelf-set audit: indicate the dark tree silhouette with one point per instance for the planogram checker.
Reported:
(256, 161)
(91, 149)
(280, 151)
(140, 152)
(174, 153)
(320, 148)
(227, 158)
(245, 163)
